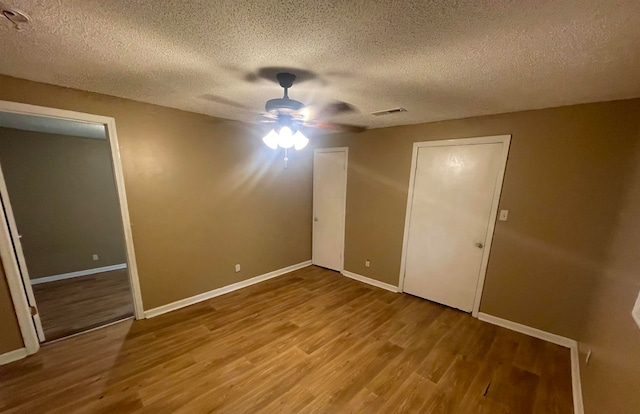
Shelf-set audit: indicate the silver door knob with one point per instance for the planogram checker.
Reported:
(315, 219)
(479, 245)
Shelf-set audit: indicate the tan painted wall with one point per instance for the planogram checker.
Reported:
(203, 193)
(10, 336)
(564, 183)
(566, 261)
(611, 380)
(64, 199)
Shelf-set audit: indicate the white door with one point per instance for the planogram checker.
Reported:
(329, 196)
(22, 264)
(452, 212)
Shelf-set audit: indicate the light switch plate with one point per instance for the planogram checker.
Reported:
(504, 215)
(636, 311)
(237, 268)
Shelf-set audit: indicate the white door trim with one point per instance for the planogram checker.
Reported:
(344, 208)
(503, 139)
(17, 289)
(9, 260)
(22, 264)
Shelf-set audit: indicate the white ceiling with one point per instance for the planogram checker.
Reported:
(440, 59)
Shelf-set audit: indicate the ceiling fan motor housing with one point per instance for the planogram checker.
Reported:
(287, 120)
(283, 105)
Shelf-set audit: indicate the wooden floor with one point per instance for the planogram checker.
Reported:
(74, 305)
(310, 341)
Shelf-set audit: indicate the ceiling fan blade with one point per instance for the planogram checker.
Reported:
(268, 115)
(224, 101)
(323, 111)
(336, 108)
(335, 127)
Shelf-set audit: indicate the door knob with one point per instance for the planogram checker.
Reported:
(479, 245)
(315, 219)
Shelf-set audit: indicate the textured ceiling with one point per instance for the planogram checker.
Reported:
(439, 59)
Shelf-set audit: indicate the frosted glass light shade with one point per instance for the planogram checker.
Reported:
(286, 137)
(271, 139)
(299, 140)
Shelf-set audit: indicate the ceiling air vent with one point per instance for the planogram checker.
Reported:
(15, 16)
(389, 111)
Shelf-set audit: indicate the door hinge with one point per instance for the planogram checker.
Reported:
(34, 310)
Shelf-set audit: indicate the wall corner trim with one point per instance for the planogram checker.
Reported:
(576, 384)
(14, 355)
(79, 273)
(370, 281)
(151, 313)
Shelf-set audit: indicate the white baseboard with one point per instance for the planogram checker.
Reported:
(79, 273)
(527, 330)
(13, 356)
(572, 344)
(221, 291)
(370, 281)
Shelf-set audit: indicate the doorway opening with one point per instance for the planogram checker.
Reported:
(65, 237)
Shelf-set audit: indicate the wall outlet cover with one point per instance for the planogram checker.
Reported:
(237, 268)
(95, 257)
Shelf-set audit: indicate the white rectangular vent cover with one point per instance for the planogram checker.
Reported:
(388, 111)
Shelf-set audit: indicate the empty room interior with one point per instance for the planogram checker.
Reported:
(336, 207)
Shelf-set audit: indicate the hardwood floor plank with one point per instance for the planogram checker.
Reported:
(74, 305)
(309, 341)
(411, 396)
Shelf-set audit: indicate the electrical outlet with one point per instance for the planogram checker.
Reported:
(95, 257)
(237, 268)
(586, 360)
(367, 263)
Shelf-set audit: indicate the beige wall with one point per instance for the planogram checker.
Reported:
(204, 194)
(565, 177)
(64, 199)
(10, 336)
(611, 380)
(566, 261)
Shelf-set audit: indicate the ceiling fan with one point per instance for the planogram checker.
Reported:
(289, 117)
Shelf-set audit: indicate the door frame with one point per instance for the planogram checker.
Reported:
(502, 139)
(344, 207)
(9, 260)
(13, 231)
